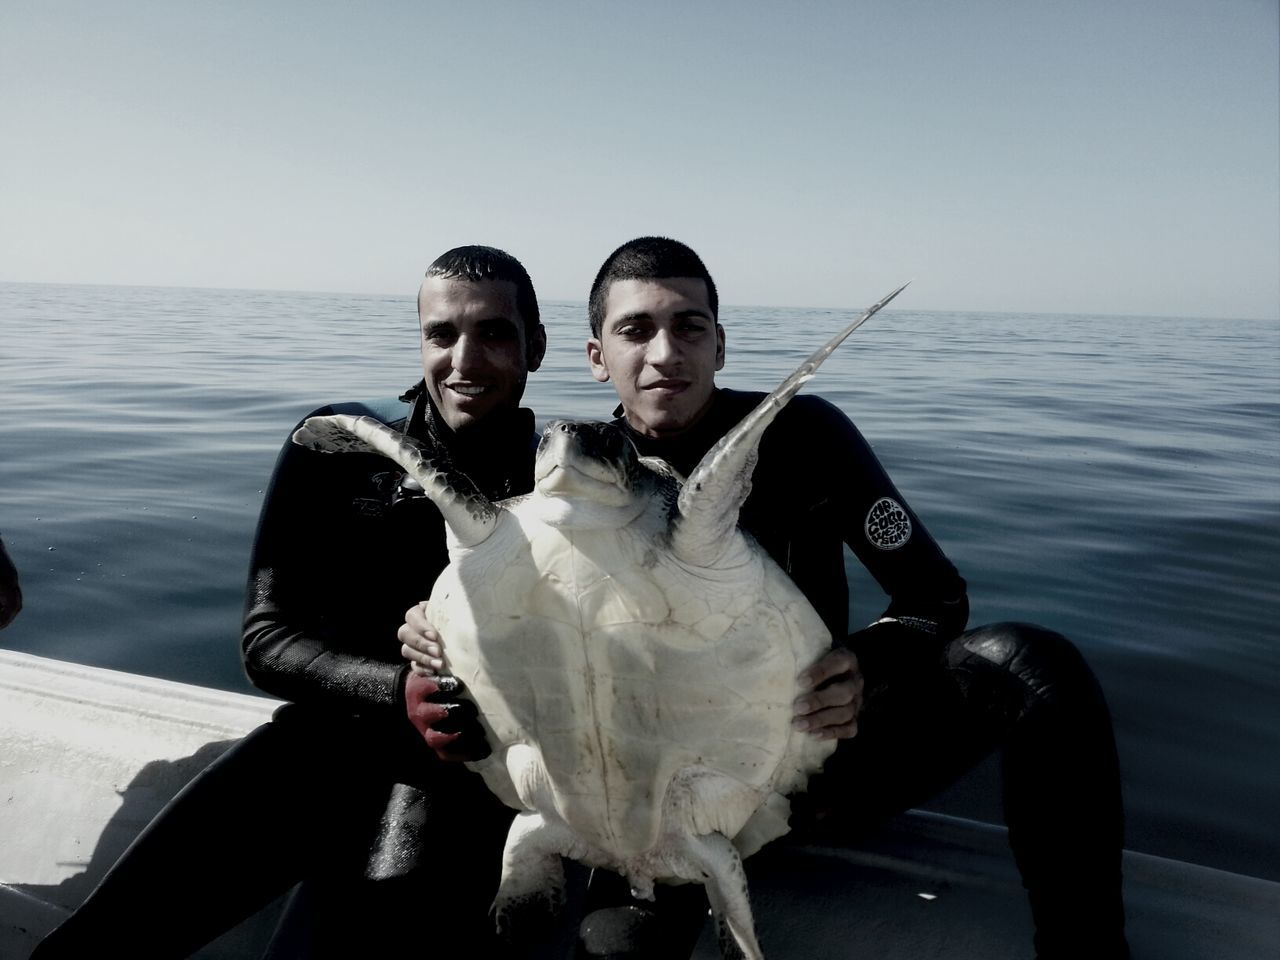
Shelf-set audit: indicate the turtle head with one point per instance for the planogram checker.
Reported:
(587, 460)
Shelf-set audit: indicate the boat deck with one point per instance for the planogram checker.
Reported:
(88, 756)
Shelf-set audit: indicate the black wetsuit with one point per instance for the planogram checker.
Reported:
(937, 700)
(332, 790)
(336, 565)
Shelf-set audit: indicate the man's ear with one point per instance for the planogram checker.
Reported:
(719, 347)
(595, 357)
(536, 349)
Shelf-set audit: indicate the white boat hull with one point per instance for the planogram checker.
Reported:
(88, 756)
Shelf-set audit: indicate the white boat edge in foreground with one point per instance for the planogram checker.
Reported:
(88, 756)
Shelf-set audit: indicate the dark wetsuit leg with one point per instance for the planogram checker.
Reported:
(243, 832)
(1026, 690)
(427, 886)
(1011, 686)
(1061, 789)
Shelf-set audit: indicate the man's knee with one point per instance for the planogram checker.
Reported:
(1046, 665)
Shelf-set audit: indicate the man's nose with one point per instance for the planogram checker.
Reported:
(663, 350)
(466, 354)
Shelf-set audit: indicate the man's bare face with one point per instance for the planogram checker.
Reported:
(661, 346)
(475, 355)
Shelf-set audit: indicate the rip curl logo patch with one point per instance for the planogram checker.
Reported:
(888, 527)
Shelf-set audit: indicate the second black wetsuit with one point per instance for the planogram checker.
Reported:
(937, 699)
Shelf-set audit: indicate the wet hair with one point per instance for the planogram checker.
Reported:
(476, 263)
(647, 258)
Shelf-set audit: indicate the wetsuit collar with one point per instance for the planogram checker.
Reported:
(684, 450)
(497, 454)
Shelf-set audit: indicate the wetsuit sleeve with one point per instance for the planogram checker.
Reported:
(928, 604)
(303, 638)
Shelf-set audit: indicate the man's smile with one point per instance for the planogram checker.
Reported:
(667, 385)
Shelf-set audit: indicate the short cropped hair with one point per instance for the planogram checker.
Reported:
(647, 258)
(476, 263)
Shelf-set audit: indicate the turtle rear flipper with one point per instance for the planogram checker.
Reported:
(531, 892)
(719, 867)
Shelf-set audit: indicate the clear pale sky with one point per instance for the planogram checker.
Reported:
(1100, 156)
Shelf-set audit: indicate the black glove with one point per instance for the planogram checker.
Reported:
(449, 725)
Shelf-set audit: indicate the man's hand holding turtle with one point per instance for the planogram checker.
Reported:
(830, 708)
(419, 642)
(449, 725)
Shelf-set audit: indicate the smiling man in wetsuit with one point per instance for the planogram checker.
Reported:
(337, 789)
(913, 700)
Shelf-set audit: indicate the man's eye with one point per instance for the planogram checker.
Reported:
(439, 337)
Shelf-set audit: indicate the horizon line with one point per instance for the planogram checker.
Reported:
(583, 302)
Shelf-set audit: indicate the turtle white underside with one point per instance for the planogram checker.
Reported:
(640, 708)
(634, 655)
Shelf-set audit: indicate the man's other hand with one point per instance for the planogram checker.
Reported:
(829, 709)
(419, 642)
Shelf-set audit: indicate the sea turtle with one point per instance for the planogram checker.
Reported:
(633, 655)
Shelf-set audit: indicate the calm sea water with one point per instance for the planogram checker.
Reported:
(1115, 478)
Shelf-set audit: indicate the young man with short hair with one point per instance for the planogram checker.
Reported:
(336, 790)
(925, 700)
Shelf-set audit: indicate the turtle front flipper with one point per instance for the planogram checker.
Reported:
(469, 515)
(719, 484)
